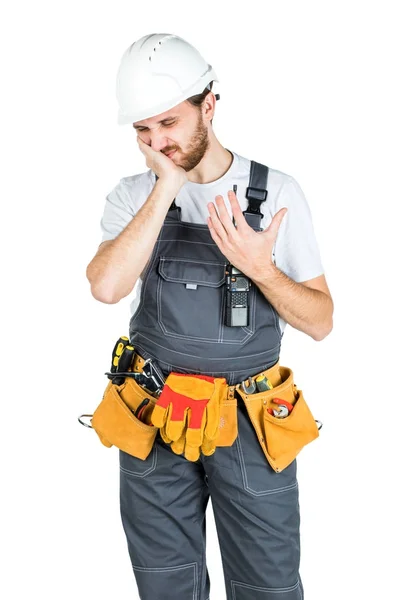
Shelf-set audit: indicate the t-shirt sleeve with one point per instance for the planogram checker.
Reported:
(118, 212)
(296, 250)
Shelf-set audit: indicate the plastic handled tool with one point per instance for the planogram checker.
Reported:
(139, 411)
(116, 353)
(263, 384)
(284, 408)
(124, 362)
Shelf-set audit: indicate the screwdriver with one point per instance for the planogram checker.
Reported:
(118, 349)
(124, 362)
(263, 383)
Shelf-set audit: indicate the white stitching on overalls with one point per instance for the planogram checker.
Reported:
(143, 473)
(245, 479)
(230, 359)
(200, 262)
(164, 569)
(282, 590)
(160, 282)
(146, 278)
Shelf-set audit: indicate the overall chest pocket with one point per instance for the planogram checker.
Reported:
(190, 299)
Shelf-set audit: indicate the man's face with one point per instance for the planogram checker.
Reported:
(181, 129)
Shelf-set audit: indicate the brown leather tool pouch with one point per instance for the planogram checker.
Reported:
(115, 423)
(281, 438)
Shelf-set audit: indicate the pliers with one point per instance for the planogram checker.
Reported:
(284, 408)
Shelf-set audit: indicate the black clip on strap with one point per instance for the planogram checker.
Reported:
(255, 197)
(256, 193)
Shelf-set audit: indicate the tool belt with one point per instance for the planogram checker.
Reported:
(281, 439)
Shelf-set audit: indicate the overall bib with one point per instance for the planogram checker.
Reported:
(179, 323)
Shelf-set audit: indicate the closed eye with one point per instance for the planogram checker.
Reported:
(146, 128)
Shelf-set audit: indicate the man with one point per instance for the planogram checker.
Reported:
(175, 254)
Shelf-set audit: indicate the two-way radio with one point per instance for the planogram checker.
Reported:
(237, 289)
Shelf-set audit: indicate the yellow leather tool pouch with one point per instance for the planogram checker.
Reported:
(281, 438)
(115, 423)
(228, 422)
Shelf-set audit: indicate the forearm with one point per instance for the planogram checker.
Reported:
(303, 308)
(115, 269)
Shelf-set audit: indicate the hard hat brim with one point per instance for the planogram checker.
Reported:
(124, 119)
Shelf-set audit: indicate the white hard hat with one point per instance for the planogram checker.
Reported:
(156, 73)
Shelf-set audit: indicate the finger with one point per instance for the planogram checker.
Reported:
(140, 142)
(240, 221)
(215, 221)
(142, 145)
(276, 222)
(214, 234)
(224, 217)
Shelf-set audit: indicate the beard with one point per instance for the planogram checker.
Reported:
(197, 147)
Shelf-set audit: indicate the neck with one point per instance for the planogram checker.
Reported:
(214, 164)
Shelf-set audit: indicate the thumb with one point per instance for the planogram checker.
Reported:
(276, 222)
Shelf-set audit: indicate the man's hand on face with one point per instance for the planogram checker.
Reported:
(163, 167)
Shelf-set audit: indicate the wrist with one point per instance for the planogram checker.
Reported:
(171, 184)
(264, 272)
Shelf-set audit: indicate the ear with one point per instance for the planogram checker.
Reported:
(208, 107)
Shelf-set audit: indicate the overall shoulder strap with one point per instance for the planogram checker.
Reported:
(256, 193)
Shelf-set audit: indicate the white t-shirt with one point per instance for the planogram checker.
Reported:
(296, 251)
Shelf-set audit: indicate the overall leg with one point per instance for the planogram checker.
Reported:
(257, 518)
(163, 501)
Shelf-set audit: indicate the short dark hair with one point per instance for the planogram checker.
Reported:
(198, 99)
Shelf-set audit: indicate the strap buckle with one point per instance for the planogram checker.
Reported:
(255, 197)
(253, 193)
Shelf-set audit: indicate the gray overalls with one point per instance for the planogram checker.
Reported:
(179, 323)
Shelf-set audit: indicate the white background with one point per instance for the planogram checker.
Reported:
(309, 88)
